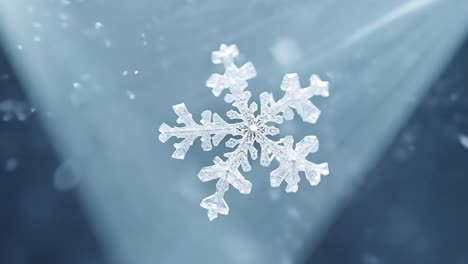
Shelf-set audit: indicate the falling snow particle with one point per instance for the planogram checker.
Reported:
(107, 43)
(136, 72)
(463, 140)
(125, 73)
(250, 128)
(11, 109)
(370, 259)
(130, 95)
(79, 94)
(453, 97)
(63, 20)
(11, 164)
(286, 52)
(143, 36)
(98, 25)
(20, 47)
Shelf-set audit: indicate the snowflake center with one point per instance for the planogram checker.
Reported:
(253, 127)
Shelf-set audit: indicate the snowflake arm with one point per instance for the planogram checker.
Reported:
(234, 78)
(211, 130)
(296, 98)
(292, 161)
(227, 172)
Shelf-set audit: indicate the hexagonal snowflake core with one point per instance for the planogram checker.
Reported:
(250, 128)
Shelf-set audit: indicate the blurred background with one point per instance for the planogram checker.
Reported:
(85, 84)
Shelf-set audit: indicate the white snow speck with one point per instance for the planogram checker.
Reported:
(20, 47)
(125, 73)
(130, 95)
(286, 52)
(107, 43)
(136, 72)
(11, 164)
(98, 25)
(79, 94)
(463, 140)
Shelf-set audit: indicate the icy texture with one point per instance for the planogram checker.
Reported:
(248, 129)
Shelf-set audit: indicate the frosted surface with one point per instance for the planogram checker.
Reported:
(104, 75)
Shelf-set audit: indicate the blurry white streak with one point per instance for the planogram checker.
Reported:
(463, 140)
(130, 95)
(396, 13)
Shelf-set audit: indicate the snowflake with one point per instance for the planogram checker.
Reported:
(249, 130)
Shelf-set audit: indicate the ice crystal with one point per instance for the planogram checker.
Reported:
(249, 130)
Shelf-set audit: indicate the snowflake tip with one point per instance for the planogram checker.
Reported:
(163, 137)
(320, 87)
(179, 153)
(248, 71)
(290, 82)
(225, 54)
(313, 172)
(215, 205)
(309, 144)
(215, 82)
(292, 188)
(182, 112)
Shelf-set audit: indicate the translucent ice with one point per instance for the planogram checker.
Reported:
(248, 129)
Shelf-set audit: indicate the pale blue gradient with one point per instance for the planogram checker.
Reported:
(379, 57)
